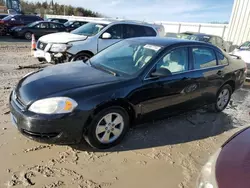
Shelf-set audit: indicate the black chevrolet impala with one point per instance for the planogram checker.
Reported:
(129, 82)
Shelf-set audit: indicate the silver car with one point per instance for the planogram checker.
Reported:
(87, 40)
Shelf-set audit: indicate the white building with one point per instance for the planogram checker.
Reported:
(239, 26)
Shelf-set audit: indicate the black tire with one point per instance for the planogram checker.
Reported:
(91, 137)
(83, 56)
(215, 107)
(28, 35)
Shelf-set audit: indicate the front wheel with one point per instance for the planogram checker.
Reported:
(81, 57)
(108, 128)
(223, 98)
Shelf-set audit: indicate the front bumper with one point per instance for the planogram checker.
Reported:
(54, 129)
(51, 57)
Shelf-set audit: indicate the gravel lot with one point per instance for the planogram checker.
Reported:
(167, 153)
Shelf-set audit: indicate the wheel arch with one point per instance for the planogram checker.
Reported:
(231, 83)
(125, 105)
(85, 51)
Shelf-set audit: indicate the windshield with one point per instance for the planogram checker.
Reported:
(199, 38)
(89, 29)
(126, 57)
(68, 23)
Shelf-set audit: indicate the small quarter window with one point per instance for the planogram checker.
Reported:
(222, 60)
(203, 58)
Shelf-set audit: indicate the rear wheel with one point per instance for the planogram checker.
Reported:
(83, 56)
(28, 35)
(223, 98)
(108, 128)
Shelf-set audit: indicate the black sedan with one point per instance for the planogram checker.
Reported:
(58, 20)
(131, 81)
(39, 29)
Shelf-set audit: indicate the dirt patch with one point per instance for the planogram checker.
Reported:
(167, 153)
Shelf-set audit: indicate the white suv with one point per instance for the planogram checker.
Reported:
(87, 40)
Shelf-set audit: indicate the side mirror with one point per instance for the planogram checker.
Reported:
(161, 72)
(106, 36)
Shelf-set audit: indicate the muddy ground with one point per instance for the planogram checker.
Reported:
(167, 153)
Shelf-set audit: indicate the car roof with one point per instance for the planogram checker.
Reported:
(204, 34)
(108, 21)
(165, 41)
(41, 21)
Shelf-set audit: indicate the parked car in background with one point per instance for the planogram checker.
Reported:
(172, 35)
(17, 20)
(72, 25)
(58, 20)
(243, 51)
(229, 166)
(3, 16)
(134, 80)
(39, 29)
(185, 35)
(215, 40)
(84, 42)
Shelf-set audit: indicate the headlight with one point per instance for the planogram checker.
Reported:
(19, 29)
(60, 47)
(207, 178)
(55, 105)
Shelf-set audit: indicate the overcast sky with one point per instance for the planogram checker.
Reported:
(159, 10)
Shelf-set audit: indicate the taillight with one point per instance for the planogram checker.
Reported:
(245, 68)
(1, 22)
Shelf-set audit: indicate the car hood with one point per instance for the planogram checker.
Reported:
(234, 161)
(244, 54)
(62, 37)
(59, 78)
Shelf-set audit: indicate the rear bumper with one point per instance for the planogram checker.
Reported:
(53, 129)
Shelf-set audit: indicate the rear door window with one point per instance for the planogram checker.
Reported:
(42, 26)
(203, 58)
(54, 26)
(130, 31)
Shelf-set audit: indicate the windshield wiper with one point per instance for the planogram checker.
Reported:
(106, 70)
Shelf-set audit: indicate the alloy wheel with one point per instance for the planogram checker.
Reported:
(109, 128)
(223, 98)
